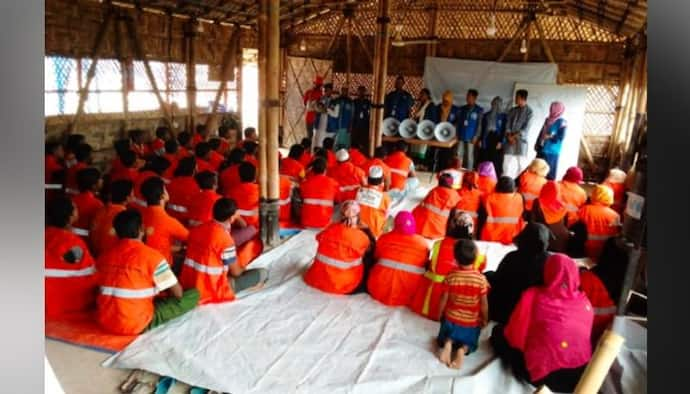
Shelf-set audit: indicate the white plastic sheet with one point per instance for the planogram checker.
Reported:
(489, 78)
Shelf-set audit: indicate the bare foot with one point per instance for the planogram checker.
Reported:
(459, 358)
(445, 353)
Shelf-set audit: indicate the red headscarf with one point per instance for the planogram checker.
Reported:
(552, 324)
(574, 174)
(551, 204)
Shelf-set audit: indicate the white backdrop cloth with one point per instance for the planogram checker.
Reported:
(489, 78)
(290, 338)
(539, 99)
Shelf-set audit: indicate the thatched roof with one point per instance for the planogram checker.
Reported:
(576, 20)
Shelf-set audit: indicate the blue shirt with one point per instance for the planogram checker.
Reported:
(469, 119)
(362, 110)
(434, 114)
(553, 145)
(398, 104)
(345, 112)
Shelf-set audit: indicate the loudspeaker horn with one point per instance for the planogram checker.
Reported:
(407, 128)
(390, 127)
(444, 131)
(425, 130)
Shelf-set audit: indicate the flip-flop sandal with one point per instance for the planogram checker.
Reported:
(260, 281)
(164, 385)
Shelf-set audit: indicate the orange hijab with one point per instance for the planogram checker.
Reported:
(551, 204)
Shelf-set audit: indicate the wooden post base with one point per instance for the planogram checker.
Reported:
(269, 213)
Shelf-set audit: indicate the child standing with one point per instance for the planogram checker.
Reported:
(465, 307)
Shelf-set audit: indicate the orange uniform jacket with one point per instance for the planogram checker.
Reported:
(215, 160)
(252, 160)
(210, 251)
(203, 165)
(318, 194)
(399, 164)
(181, 190)
(69, 287)
(51, 166)
(229, 178)
(432, 213)
(337, 267)
(87, 205)
(400, 264)
(128, 174)
(427, 296)
(574, 197)
(139, 201)
(604, 308)
(486, 186)
(306, 159)
(162, 230)
(470, 201)
(330, 159)
(374, 204)
(618, 195)
(173, 159)
(292, 168)
(378, 162)
(246, 196)
(125, 299)
(530, 185)
(102, 235)
(602, 223)
(350, 179)
(158, 146)
(504, 217)
(285, 201)
(71, 178)
(201, 207)
(357, 158)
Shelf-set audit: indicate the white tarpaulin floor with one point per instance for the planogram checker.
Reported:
(290, 338)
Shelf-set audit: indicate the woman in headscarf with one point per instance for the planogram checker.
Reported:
(547, 338)
(551, 138)
(550, 211)
(616, 181)
(470, 196)
(445, 111)
(401, 257)
(338, 266)
(431, 214)
(487, 178)
(518, 270)
(572, 194)
(501, 217)
(600, 221)
(532, 180)
(493, 127)
(427, 297)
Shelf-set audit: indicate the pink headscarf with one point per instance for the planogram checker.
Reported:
(555, 112)
(552, 324)
(405, 223)
(574, 174)
(487, 169)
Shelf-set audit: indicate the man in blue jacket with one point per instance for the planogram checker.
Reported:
(399, 102)
(467, 127)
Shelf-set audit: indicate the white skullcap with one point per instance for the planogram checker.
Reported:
(342, 155)
(375, 172)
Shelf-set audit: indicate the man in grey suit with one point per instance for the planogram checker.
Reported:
(515, 147)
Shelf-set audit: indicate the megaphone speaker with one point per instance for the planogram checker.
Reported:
(407, 128)
(444, 131)
(425, 130)
(390, 127)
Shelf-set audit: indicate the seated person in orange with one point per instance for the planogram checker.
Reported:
(158, 144)
(291, 166)
(102, 235)
(172, 156)
(317, 195)
(487, 179)
(287, 193)
(374, 202)
(573, 195)
(138, 138)
(227, 137)
(455, 170)
(338, 267)
(121, 146)
(306, 157)
(249, 136)
(328, 145)
(212, 257)
(87, 203)
(130, 275)
(155, 167)
(70, 274)
(230, 172)
(182, 189)
(215, 158)
(348, 176)
(532, 180)
(379, 155)
(470, 196)
(401, 258)
(357, 157)
(246, 195)
(432, 213)
(128, 169)
(202, 151)
(163, 232)
(600, 221)
(54, 154)
(184, 139)
(82, 155)
(504, 210)
(616, 181)
(250, 152)
(200, 135)
(201, 207)
(403, 176)
(426, 299)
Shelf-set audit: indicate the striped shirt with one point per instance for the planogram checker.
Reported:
(465, 290)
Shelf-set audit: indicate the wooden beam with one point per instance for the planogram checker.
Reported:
(381, 65)
(544, 44)
(587, 150)
(124, 71)
(433, 27)
(348, 52)
(362, 42)
(228, 66)
(84, 92)
(516, 37)
(525, 56)
(139, 51)
(336, 33)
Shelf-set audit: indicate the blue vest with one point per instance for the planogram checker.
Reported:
(553, 145)
(468, 122)
(345, 113)
(398, 104)
(499, 127)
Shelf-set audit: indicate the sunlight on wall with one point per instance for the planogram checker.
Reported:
(250, 91)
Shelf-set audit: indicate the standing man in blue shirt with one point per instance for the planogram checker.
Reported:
(467, 127)
(345, 111)
(360, 120)
(399, 102)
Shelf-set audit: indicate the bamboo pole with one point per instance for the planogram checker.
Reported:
(272, 103)
(238, 80)
(518, 33)
(381, 62)
(283, 91)
(262, 47)
(190, 38)
(433, 28)
(602, 359)
(91, 73)
(139, 51)
(228, 66)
